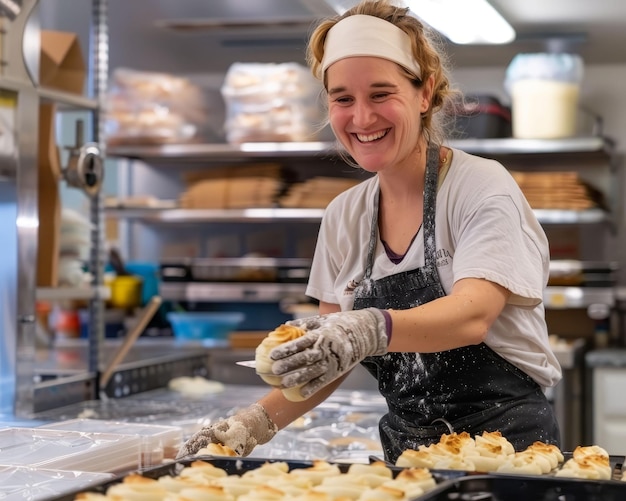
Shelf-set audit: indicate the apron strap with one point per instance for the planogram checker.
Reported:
(430, 198)
(430, 205)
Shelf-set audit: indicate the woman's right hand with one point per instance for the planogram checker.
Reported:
(241, 432)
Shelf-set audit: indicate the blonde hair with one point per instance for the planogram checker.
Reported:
(427, 49)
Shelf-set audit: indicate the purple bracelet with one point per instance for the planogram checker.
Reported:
(388, 325)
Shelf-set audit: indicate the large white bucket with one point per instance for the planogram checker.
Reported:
(544, 109)
(545, 91)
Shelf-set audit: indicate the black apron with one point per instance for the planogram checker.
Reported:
(470, 389)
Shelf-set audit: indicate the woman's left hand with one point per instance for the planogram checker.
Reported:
(333, 344)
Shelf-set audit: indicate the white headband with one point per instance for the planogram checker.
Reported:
(361, 35)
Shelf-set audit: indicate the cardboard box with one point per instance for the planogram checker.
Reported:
(61, 65)
(49, 201)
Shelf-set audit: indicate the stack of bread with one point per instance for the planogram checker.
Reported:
(234, 187)
(316, 192)
(557, 190)
(322, 481)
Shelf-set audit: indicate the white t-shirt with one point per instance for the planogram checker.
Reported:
(484, 228)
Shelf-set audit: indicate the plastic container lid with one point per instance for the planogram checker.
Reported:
(559, 67)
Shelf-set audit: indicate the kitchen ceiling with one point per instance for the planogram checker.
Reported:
(142, 34)
(596, 29)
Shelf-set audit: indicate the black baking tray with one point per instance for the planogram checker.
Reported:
(238, 466)
(524, 488)
(451, 484)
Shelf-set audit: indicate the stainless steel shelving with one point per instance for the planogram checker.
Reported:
(220, 292)
(554, 297)
(217, 215)
(219, 151)
(512, 146)
(163, 216)
(66, 100)
(72, 293)
(594, 149)
(578, 297)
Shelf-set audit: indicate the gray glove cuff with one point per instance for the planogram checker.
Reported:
(383, 334)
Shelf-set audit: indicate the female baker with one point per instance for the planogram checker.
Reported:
(430, 273)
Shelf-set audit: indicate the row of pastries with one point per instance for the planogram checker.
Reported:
(492, 452)
(201, 480)
(273, 481)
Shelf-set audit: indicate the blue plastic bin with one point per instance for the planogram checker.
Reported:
(209, 328)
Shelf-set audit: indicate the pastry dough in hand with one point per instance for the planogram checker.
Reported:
(282, 334)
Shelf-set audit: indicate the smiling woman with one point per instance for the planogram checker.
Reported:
(431, 272)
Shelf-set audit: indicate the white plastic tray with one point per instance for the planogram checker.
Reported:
(158, 442)
(20, 483)
(68, 450)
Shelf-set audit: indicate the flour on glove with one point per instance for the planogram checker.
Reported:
(333, 344)
(241, 432)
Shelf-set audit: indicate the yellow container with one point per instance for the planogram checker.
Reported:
(126, 291)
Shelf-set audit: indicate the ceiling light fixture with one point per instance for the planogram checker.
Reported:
(464, 21)
(461, 21)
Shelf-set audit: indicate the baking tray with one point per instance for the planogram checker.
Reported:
(451, 484)
(524, 488)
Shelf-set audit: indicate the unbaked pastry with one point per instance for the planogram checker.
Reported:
(550, 451)
(385, 493)
(589, 450)
(372, 474)
(136, 487)
(596, 467)
(411, 458)
(282, 334)
(317, 472)
(205, 493)
(420, 477)
(216, 450)
(263, 493)
(524, 464)
(195, 386)
(202, 470)
(348, 486)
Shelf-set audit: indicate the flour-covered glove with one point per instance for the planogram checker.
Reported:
(241, 432)
(333, 344)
